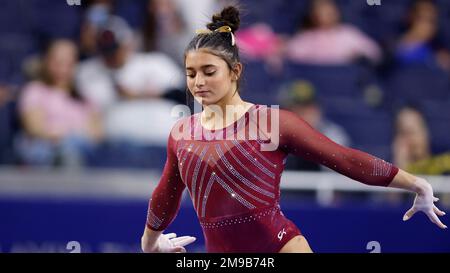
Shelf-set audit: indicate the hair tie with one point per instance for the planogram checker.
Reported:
(220, 29)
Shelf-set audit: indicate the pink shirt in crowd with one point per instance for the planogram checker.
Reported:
(339, 45)
(62, 113)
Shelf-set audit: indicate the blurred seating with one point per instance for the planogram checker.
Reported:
(291, 11)
(435, 109)
(128, 155)
(414, 84)
(14, 48)
(375, 130)
(329, 81)
(258, 84)
(439, 128)
(366, 126)
(8, 127)
(55, 19)
(132, 11)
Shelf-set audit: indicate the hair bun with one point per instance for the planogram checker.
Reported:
(229, 16)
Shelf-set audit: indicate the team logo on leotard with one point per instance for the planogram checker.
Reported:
(281, 234)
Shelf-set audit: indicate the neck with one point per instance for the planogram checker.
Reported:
(220, 107)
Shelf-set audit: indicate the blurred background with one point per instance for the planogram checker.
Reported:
(87, 89)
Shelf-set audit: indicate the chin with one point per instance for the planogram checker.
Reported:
(206, 101)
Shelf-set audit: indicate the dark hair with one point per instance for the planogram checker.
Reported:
(414, 5)
(45, 76)
(219, 43)
(149, 29)
(307, 22)
(414, 8)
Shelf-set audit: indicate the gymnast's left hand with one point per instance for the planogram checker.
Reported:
(424, 202)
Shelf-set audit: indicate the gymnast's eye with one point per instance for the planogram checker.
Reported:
(210, 73)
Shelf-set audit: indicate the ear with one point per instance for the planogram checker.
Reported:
(236, 71)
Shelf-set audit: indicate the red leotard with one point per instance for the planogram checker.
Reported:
(234, 184)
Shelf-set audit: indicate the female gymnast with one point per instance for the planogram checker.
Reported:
(231, 156)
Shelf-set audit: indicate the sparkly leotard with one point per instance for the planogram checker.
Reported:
(233, 176)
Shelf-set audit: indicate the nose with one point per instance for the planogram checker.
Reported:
(199, 80)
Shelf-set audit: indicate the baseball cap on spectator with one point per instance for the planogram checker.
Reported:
(113, 34)
(298, 93)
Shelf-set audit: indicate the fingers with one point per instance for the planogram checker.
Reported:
(438, 211)
(183, 241)
(433, 218)
(435, 199)
(179, 249)
(409, 214)
(170, 235)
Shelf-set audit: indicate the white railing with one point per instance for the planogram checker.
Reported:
(137, 184)
(325, 184)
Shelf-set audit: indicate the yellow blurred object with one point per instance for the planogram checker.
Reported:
(436, 165)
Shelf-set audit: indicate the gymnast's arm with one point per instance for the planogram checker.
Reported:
(163, 207)
(299, 138)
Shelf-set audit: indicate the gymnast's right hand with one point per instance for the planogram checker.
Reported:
(165, 243)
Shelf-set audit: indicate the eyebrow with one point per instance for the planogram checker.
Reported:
(203, 66)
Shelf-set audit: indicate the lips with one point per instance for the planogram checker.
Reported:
(202, 93)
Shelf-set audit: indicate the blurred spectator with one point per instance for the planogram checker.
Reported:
(260, 42)
(420, 43)
(96, 14)
(131, 89)
(411, 149)
(59, 126)
(165, 30)
(412, 145)
(411, 140)
(324, 39)
(5, 95)
(299, 97)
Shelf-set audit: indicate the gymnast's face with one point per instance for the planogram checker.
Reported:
(209, 78)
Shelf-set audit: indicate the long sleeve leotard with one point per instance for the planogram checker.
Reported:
(234, 182)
